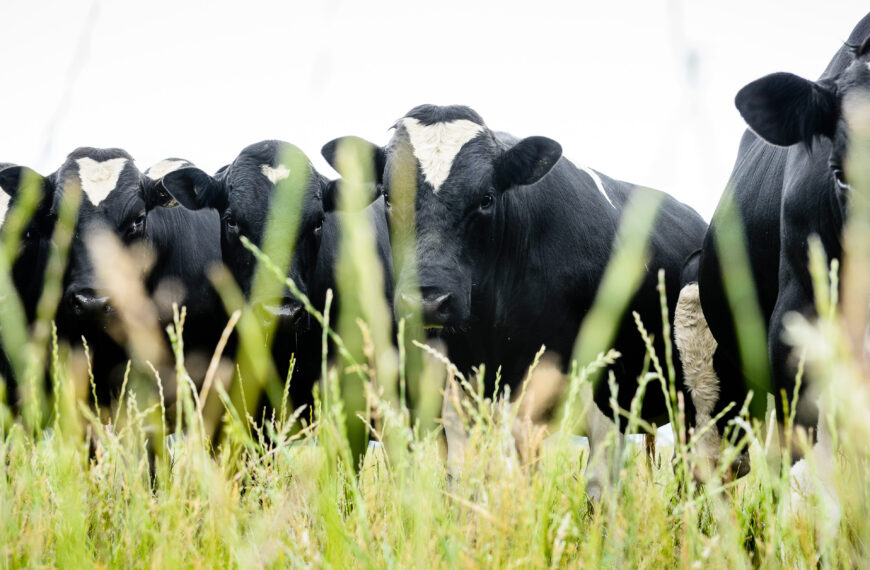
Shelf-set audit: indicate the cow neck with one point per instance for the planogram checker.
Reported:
(554, 240)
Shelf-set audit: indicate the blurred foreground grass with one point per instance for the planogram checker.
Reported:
(80, 489)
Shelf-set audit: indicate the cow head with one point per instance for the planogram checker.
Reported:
(113, 198)
(785, 109)
(465, 176)
(242, 193)
(28, 269)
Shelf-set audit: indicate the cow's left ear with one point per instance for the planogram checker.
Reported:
(785, 109)
(195, 189)
(378, 154)
(527, 162)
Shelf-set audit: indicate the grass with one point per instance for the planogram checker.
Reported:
(110, 489)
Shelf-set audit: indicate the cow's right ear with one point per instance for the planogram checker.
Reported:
(195, 189)
(785, 109)
(527, 162)
(378, 154)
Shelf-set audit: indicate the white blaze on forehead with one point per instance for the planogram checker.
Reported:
(99, 178)
(598, 183)
(4, 205)
(435, 146)
(163, 168)
(275, 174)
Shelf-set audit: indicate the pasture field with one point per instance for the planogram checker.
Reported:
(150, 480)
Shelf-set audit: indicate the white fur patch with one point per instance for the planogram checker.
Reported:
(598, 183)
(163, 168)
(99, 178)
(4, 205)
(435, 146)
(696, 346)
(275, 174)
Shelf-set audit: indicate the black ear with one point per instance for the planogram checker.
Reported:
(785, 109)
(12, 178)
(379, 158)
(527, 162)
(195, 189)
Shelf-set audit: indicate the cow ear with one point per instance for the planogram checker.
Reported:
(195, 189)
(379, 157)
(527, 162)
(785, 109)
(13, 178)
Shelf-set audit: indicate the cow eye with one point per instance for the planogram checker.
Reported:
(231, 223)
(136, 227)
(386, 196)
(840, 177)
(318, 228)
(487, 201)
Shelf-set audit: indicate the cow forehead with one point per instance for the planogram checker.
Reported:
(275, 174)
(98, 179)
(164, 167)
(435, 146)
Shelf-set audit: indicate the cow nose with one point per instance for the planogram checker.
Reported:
(289, 312)
(436, 309)
(86, 302)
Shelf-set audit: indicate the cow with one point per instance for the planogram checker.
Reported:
(242, 193)
(117, 197)
(787, 184)
(29, 265)
(512, 240)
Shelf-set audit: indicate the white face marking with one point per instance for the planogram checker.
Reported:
(275, 174)
(598, 184)
(163, 168)
(435, 146)
(4, 205)
(99, 178)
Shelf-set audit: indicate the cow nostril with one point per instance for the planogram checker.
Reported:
(436, 311)
(87, 302)
(295, 313)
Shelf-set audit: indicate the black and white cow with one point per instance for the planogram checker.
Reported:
(788, 183)
(29, 265)
(512, 243)
(118, 197)
(242, 193)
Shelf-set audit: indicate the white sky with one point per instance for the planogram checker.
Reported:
(642, 90)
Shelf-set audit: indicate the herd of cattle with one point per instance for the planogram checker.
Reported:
(512, 240)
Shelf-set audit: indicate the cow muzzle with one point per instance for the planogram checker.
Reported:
(87, 304)
(289, 313)
(437, 308)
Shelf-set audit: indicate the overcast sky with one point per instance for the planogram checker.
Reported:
(642, 91)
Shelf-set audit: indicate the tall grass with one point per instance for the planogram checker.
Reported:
(85, 489)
